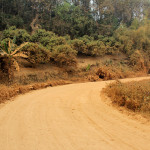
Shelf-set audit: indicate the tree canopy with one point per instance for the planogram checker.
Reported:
(73, 17)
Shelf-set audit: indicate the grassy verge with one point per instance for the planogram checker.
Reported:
(7, 93)
(132, 95)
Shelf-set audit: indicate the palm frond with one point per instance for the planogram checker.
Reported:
(5, 50)
(21, 46)
(20, 55)
(9, 47)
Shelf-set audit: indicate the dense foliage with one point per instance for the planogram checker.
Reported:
(64, 55)
(36, 53)
(59, 30)
(74, 17)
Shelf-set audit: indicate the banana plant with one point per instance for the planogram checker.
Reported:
(10, 52)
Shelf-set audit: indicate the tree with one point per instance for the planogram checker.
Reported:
(8, 56)
(72, 20)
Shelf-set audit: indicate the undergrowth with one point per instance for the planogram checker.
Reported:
(117, 71)
(132, 95)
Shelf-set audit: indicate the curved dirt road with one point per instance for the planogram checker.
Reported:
(70, 117)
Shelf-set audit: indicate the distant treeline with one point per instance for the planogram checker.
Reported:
(74, 17)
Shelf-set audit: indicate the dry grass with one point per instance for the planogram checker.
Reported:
(109, 72)
(132, 95)
(36, 78)
(7, 93)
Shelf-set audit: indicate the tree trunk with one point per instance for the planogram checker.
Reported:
(34, 24)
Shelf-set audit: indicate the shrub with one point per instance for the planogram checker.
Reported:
(8, 55)
(47, 39)
(111, 45)
(6, 41)
(137, 61)
(114, 70)
(132, 39)
(106, 73)
(21, 35)
(86, 39)
(64, 55)
(96, 48)
(132, 95)
(56, 41)
(79, 46)
(87, 47)
(36, 53)
(42, 36)
(44, 41)
(67, 37)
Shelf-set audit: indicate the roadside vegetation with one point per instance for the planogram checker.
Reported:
(132, 95)
(45, 47)
(7, 93)
(58, 40)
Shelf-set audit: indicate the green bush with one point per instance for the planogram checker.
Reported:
(47, 39)
(56, 41)
(111, 45)
(5, 42)
(64, 55)
(96, 48)
(87, 47)
(67, 37)
(79, 46)
(42, 36)
(21, 35)
(36, 53)
(133, 38)
(86, 39)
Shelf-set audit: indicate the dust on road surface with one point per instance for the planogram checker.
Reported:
(70, 117)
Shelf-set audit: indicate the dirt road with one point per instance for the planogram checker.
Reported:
(70, 117)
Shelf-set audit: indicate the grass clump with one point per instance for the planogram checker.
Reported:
(132, 95)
